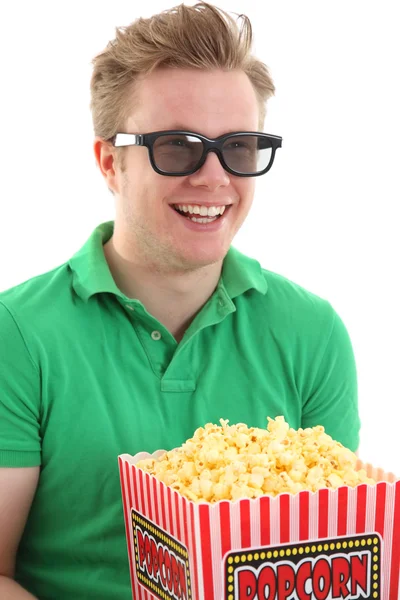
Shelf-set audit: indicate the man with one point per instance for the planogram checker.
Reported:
(157, 325)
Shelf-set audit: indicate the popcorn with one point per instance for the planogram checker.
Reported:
(228, 462)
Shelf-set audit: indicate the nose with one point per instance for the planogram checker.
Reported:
(211, 175)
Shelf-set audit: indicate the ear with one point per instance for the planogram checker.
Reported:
(105, 156)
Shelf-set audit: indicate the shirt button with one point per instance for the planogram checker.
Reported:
(156, 335)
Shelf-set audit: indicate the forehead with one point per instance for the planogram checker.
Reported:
(210, 102)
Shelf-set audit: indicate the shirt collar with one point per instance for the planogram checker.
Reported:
(91, 273)
(241, 273)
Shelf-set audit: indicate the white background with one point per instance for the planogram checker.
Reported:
(325, 216)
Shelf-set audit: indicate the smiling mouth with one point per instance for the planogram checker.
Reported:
(197, 217)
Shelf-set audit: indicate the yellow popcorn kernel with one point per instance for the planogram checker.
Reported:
(244, 478)
(263, 471)
(178, 486)
(238, 467)
(286, 458)
(189, 448)
(296, 487)
(169, 478)
(253, 448)
(205, 474)
(195, 486)
(148, 464)
(275, 447)
(279, 427)
(314, 476)
(241, 427)
(221, 491)
(269, 485)
(187, 471)
(296, 475)
(335, 480)
(236, 492)
(228, 477)
(241, 440)
(345, 458)
(256, 480)
(200, 465)
(257, 460)
(190, 495)
(231, 453)
(206, 489)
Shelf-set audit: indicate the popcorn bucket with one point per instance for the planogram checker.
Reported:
(330, 544)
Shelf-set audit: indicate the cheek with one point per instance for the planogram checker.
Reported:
(148, 200)
(143, 188)
(245, 189)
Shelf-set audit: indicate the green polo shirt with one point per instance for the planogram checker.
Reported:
(87, 374)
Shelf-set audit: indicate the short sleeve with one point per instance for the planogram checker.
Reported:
(333, 397)
(20, 444)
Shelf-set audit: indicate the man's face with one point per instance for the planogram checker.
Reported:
(209, 103)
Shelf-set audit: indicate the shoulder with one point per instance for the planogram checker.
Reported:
(35, 302)
(292, 303)
(283, 288)
(34, 290)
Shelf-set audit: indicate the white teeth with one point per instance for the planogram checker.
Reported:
(204, 211)
(202, 220)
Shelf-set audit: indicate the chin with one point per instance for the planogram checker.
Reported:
(203, 257)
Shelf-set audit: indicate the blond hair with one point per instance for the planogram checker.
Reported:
(200, 36)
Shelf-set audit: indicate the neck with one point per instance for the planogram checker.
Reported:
(173, 297)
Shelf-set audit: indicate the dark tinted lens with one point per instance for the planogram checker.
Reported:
(177, 153)
(247, 153)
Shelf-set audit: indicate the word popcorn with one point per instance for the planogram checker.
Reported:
(229, 462)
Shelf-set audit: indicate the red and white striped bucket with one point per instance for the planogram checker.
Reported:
(330, 544)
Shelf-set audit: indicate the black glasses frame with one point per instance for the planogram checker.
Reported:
(209, 145)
